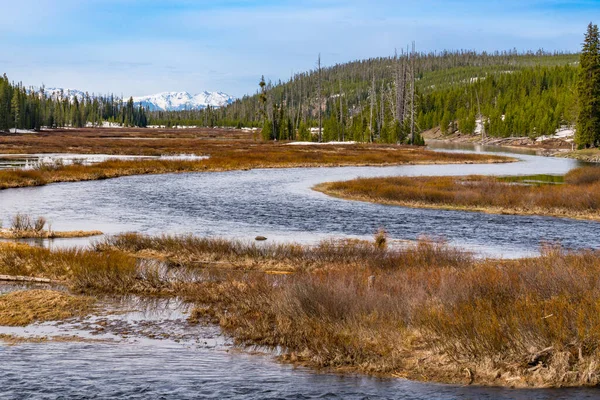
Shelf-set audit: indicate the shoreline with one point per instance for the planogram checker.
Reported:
(45, 234)
(561, 213)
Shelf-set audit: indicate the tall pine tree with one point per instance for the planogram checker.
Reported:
(588, 87)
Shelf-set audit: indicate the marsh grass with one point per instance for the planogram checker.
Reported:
(24, 307)
(578, 197)
(424, 311)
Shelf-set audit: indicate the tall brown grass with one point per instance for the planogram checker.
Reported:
(425, 311)
(24, 307)
(579, 197)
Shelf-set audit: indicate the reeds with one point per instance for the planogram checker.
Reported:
(424, 311)
(22, 308)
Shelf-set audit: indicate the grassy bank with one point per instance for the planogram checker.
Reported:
(577, 195)
(226, 153)
(425, 311)
(587, 155)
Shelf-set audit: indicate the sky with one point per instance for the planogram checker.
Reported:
(131, 47)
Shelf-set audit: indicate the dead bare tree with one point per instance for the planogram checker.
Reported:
(412, 94)
(341, 114)
(372, 96)
(319, 99)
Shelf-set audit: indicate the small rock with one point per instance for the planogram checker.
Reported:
(260, 238)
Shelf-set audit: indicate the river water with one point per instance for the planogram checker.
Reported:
(280, 205)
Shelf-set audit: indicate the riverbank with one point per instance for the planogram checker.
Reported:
(45, 234)
(576, 196)
(559, 145)
(424, 311)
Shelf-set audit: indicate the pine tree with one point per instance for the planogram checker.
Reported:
(15, 109)
(588, 87)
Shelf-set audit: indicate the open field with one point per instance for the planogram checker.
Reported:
(578, 197)
(425, 311)
(226, 153)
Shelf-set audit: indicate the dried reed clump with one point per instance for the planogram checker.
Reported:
(25, 223)
(22, 308)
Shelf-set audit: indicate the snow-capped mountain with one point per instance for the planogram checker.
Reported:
(167, 101)
(178, 101)
(55, 93)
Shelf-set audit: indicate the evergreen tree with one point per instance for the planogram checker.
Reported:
(588, 88)
(15, 109)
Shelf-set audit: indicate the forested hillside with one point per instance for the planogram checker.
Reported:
(375, 100)
(389, 99)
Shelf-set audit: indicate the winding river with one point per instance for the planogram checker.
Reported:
(278, 204)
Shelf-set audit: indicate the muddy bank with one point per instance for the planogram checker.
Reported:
(552, 146)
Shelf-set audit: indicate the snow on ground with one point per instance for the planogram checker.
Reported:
(184, 157)
(13, 130)
(565, 133)
(316, 143)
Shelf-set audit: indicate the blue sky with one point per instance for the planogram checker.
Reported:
(133, 47)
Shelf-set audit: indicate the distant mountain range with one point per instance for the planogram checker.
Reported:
(166, 101)
(179, 101)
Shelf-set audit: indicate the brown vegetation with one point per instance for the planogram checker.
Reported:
(225, 154)
(27, 306)
(578, 197)
(425, 311)
(24, 226)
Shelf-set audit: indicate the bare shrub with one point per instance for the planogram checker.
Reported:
(39, 224)
(21, 223)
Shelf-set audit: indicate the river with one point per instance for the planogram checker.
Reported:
(278, 204)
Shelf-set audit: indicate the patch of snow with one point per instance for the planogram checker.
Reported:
(479, 126)
(13, 130)
(316, 143)
(565, 133)
(33, 161)
(184, 157)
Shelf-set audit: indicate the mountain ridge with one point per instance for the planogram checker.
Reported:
(163, 101)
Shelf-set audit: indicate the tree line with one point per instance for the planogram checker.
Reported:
(28, 108)
(387, 99)
(393, 99)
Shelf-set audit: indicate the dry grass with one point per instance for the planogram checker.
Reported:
(425, 311)
(45, 234)
(578, 197)
(527, 323)
(197, 252)
(28, 306)
(227, 152)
